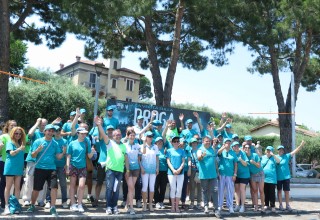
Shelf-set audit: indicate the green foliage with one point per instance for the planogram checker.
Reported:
(18, 59)
(29, 101)
(38, 74)
(145, 88)
(310, 151)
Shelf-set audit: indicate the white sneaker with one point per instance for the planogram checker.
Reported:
(231, 210)
(80, 208)
(26, 203)
(109, 211)
(206, 209)
(210, 205)
(158, 206)
(6, 211)
(65, 205)
(242, 209)
(74, 208)
(187, 199)
(139, 204)
(237, 208)
(162, 205)
(47, 206)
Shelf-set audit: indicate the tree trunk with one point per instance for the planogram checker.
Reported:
(153, 59)
(174, 55)
(4, 57)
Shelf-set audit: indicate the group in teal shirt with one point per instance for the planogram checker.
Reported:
(207, 166)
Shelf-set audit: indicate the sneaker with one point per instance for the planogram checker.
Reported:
(187, 199)
(132, 212)
(139, 204)
(6, 211)
(237, 208)
(273, 209)
(53, 211)
(116, 211)
(32, 208)
(206, 210)
(26, 203)
(162, 205)
(217, 213)
(109, 211)
(288, 208)
(210, 205)
(191, 206)
(91, 199)
(65, 205)
(242, 209)
(74, 208)
(95, 203)
(47, 206)
(158, 206)
(80, 208)
(281, 208)
(41, 204)
(123, 204)
(231, 210)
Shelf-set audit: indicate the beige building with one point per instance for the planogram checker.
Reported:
(116, 82)
(271, 128)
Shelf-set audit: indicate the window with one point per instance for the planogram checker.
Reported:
(115, 65)
(114, 84)
(70, 74)
(130, 84)
(92, 80)
(128, 99)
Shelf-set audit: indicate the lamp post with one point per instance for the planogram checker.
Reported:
(99, 68)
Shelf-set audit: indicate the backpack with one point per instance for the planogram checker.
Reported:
(14, 205)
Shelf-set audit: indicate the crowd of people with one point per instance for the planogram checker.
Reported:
(208, 167)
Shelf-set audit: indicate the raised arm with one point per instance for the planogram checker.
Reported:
(196, 114)
(164, 132)
(229, 120)
(74, 122)
(102, 134)
(181, 117)
(298, 148)
(34, 127)
(221, 149)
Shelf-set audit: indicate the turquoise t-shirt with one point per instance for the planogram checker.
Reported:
(207, 166)
(163, 166)
(110, 121)
(62, 143)
(149, 159)
(66, 127)
(14, 164)
(188, 134)
(94, 132)
(103, 153)
(253, 169)
(269, 168)
(225, 134)
(187, 155)
(78, 151)
(37, 134)
(243, 171)
(226, 163)
(205, 132)
(194, 159)
(175, 156)
(283, 168)
(133, 152)
(47, 161)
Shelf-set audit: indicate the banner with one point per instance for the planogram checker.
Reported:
(127, 113)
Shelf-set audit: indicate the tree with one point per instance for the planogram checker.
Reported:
(160, 28)
(145, 88)
(18, 59)
(38, 74)
(13, 16)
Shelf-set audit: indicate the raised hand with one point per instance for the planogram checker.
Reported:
(196, 114)
(181, 116)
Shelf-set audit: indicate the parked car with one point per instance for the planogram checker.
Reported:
(304, 170)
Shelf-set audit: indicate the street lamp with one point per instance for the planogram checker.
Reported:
(99, 68)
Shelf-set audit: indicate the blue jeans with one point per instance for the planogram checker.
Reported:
(61, 175)
(112, 197)
(210, 190)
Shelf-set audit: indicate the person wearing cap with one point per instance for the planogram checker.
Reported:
(66, 127)
(189, 131)
(248, 140)
(206, 156)
(138, 126)
(76, 166)
(162, 177)
(194, 170)
(269, 161)
(109, 119)
(228, 168)
(149, 169)
(283, 174)
(256, 177)
(226, 129)
(45, 150)
(235, 138)
(172, 128)
(243, 177)
(131, 175)
(82, 119)
(116, 158)
(175, 161)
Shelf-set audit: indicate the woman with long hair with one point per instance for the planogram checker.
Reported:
(13, 169)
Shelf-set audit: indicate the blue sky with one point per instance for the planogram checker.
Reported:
(224, 89)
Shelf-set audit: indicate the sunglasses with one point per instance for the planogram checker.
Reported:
(175, 141)
(17, 133)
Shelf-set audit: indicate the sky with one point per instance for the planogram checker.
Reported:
(230, 88)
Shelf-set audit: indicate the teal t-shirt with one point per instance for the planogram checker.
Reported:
(47, 161)
(207, 166)
(243, 171)
(187, 155)
(66, 127)
(205, 132)
(194, 159)
(78, 151)
(163, 166)
(226, 163)
(103, 153)
(283, 168)
(14, 164)
(225, 134)
(62, 143)
(94, 132)
(188, 134)
(175, 156)
(110, 121)
(253, 169)
(269, 168)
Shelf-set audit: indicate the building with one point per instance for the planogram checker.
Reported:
(116, 82)
(271, 128)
